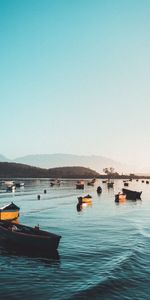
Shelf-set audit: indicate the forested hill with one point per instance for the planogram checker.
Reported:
(15, 170)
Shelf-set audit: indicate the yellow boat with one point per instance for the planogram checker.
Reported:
(120, 197)
(85, 199)
(9, 212)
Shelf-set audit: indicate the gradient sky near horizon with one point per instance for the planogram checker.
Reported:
(75, 77)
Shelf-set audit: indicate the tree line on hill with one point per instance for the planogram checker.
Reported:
(15, 170)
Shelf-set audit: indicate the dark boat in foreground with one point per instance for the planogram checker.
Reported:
(28, 238)
(132, 195)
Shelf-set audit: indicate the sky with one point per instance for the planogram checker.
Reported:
(74, 78)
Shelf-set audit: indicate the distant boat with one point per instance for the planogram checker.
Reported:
(19, 184)
(11, 188)
(99, 190)
(9, 212)
(132, 195)
(110, 184)
(55, 182)
(9, 182)
(91, 182)
(104, 181)
(126, 183)
(85, 199)
(28, 238)
(120, 197)
(80, 185)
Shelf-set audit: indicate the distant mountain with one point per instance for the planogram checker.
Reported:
(15, 170)
(94, 162)
(3, 158)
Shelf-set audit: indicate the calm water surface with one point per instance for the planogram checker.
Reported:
(104, 252)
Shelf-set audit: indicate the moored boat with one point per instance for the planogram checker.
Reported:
(80, 185)
(19, 184)
(99, 190)
(85, 199)
(28, 238)
(92, 182)
(110, 184)
(9, 212)
(120, 197)
(132, 195)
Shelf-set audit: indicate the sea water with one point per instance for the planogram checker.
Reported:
(104, 252)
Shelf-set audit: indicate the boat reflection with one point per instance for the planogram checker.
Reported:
(80, 206)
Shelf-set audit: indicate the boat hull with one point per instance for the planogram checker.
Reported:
(32, 242)
(9, 215)
(132, 195)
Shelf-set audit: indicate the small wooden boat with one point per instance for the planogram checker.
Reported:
(120, 197)
(99, 190)
(92, 182)
(80, 185)
(132, 195)
(110, 184)
(9, 212)
(85, 199)
(28, 238)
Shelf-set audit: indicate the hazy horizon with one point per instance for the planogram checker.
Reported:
(75, 78)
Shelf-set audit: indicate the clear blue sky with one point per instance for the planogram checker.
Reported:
(74, 78)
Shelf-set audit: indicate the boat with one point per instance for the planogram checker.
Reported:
(110, 184)
(126, 183)
(9, 212)
(91, 183)
(32, 239)
(55, 182)
(120, 197)
(80, 185)
(104, 181)
(132, 195)
(19, 184)
(81, 206)
(147, 182)
(9, 183)
(11, 188)
(85, 199)
(99, 190)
